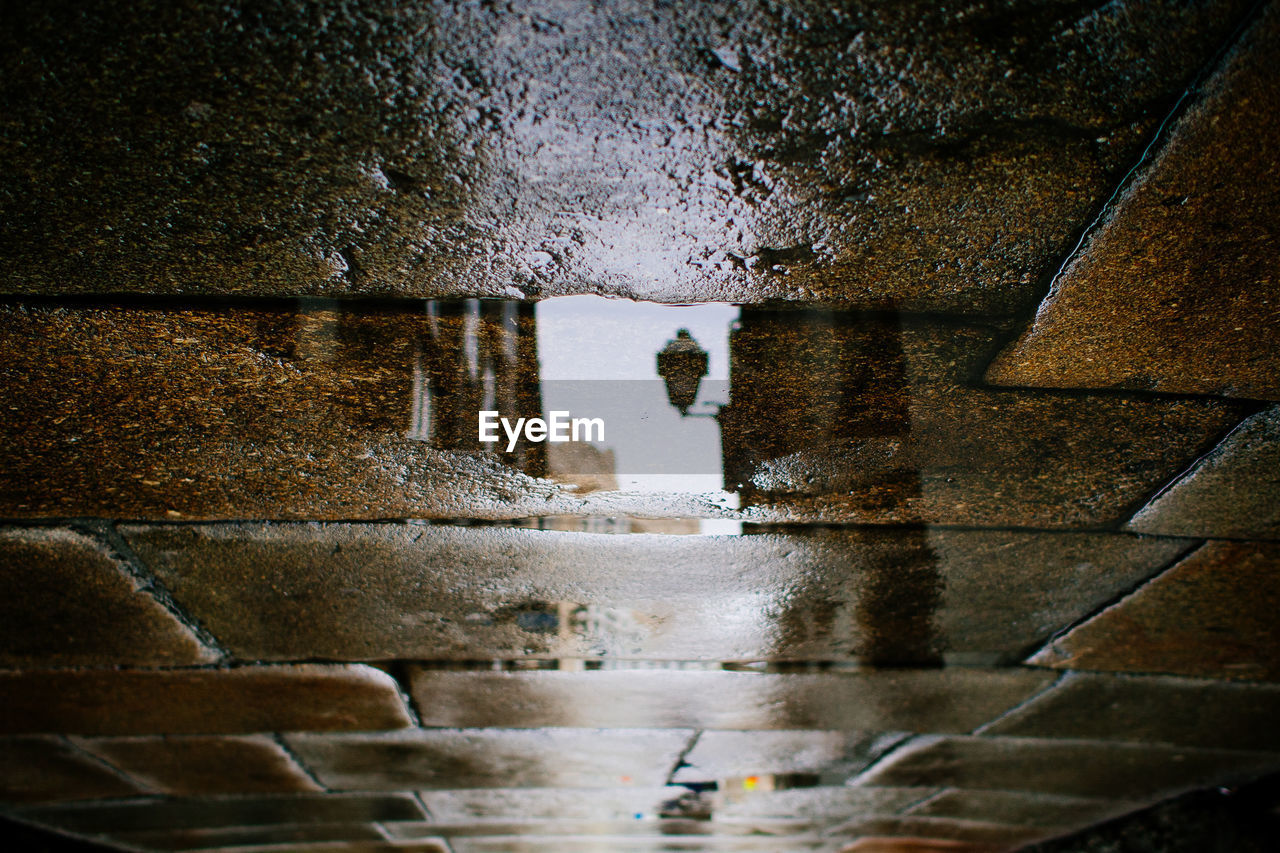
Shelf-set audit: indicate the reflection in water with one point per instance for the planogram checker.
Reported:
(477, 355)
(801, 384)
(814, 381)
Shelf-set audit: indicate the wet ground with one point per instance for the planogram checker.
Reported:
(631, 427)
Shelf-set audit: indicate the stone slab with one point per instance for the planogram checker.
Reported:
(195, 765)
(901, 844)
(949, 700)
(498, 758)
(731, 152)
(237, 836)
(637, 844)
(1179, 289)
(920, 441)
(988, 833)
(220, 812)
(1233, 492)
(432, 592)
(47, 769)
(817, 803)
(65, 600)
(1100, 769)
(250, 699)
(832, 756)
(1151, 709)
(1211, 615)
(503, 804)
(181, 413)
(1017, 808)
(707, 831)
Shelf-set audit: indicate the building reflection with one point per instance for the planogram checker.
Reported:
(477, 354)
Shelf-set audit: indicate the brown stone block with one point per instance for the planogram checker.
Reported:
(1179, 289)
(408, 591)
(201, 701)
(1212, 614)
(1158, 709)
(880, 421)
(224, 812)
(65, 600)
(491, 758)
(951, 700)
(1233, 492)
(1099, 769)
(45, 769)
(191, 765)
(924, 155)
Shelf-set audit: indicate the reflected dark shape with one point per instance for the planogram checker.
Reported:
(478, 354)
(682, 364)
(812, 381)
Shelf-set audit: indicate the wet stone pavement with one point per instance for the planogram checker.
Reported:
(918, 368)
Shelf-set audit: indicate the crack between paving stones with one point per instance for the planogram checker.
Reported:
(1174, 562)
(82, 750)
(151, 585)
(1052, 685)
(680, 759)
(1158, 141)
(297, 760)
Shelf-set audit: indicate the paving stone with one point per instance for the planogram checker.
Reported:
(192, 765)
(66, 601)
(820, 802)
(1178, 711)
(996, 835)
(1138, 772)
(236, 836)
(1017, 808)
(408, 591)
(1212, 615)
(181, 413)
(201, 701)
(498, 758)
(1233, 492)
(919, 700)
(832, 152)
(717, 831)
(913, 845)
(44, 769)
(916, 440)
(1178, 289)
(832, 756)
(634, 844)
(225, 812)
(608, 804)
